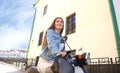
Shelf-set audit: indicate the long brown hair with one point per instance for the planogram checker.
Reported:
(51, 27)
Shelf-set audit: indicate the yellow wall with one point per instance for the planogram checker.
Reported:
(94, 28)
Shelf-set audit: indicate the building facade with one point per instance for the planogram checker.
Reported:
(90, 24)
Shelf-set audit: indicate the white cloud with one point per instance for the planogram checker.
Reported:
(13, 38)
(16, 18)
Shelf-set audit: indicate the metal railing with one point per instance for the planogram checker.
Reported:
(97, 65)
(15, 62)
(104, 65)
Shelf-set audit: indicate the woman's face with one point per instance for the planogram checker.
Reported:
(59, 24)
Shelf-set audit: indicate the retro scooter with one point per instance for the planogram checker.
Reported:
(71, 63)
(78, 61)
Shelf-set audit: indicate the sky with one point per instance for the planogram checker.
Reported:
(16, 19)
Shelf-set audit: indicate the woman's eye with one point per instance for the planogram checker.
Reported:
(61, 21)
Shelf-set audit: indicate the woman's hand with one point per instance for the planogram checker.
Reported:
(62, 54)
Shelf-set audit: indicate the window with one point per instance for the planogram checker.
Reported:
(45, 10)
(40, 38)
(71, 24)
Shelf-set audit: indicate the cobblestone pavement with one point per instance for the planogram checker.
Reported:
(5, 68)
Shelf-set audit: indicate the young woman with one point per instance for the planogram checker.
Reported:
(51, 45)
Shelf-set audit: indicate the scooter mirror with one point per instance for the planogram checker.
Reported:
(64, 39)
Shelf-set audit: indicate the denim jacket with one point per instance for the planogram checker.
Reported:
(53, 45)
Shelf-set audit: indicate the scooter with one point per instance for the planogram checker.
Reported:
(78, 61)
(71, 63)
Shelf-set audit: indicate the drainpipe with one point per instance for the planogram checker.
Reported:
(115, 26)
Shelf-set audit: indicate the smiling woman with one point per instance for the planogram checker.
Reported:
(15, 23)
